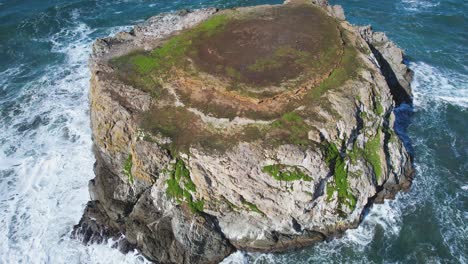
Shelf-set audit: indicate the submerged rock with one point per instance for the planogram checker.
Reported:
(259, 128)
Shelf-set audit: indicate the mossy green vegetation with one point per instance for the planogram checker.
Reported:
(181, 187)
(280, 58)
(340, 178)
(179, 67)
(170, 122)
(282, 172)
(330, 191)
(291, 129)
(127, 168)
(146, 69)
(143, 64)
(354, 153)
(136, 69)
(332, 154)
(252, 207)
(346, 70)
(390, 133)
(379, 110)
(363, 115)
(372, 154)
(173, 51)
(185, 129)
(213, 47)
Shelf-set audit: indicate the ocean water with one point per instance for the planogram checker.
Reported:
(45, 139)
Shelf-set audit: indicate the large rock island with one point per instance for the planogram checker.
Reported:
(260, 128)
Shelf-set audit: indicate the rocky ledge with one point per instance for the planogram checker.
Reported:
(260, 128)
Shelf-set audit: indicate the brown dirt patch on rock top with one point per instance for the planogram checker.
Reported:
(275, 45)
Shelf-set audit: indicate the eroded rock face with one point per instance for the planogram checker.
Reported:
(261, 128)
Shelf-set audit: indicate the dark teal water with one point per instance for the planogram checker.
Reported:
(45, 145)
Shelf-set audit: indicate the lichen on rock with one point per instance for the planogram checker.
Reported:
(258, 128)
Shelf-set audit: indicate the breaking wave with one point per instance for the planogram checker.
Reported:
(45, 158)
(418, 5)
(431, 84)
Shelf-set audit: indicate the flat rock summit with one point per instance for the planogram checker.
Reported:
(262, 128)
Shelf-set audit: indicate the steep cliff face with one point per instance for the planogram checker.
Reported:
(261, 128)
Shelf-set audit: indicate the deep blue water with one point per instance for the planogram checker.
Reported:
(45, 144)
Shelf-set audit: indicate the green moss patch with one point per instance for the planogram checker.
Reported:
(243, 48)
(172, 53)
(346, 70)
(185, 129)
(340, 178)
(354, 153)
(285, 173)
(379, 110)
(242, 51)
(145, 70)
(181, 188)
(127, 168)
(252, 207)
(372, 154)
(290, 129)
(363, 115)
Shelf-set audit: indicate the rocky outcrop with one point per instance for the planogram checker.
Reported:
(391, 62)
(203, 147)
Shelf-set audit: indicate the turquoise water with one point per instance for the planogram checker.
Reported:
(45, 144)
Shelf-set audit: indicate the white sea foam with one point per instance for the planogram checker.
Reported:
(237, 257)
(4, 76)
(418, 5)
(46, 161)
(432, 84)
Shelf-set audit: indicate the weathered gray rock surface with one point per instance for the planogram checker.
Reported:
(247, 196)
